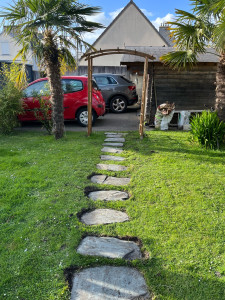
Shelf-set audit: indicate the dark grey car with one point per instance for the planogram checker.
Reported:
(117, 91)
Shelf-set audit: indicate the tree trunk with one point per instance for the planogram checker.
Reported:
(220, 88)
(51, 57)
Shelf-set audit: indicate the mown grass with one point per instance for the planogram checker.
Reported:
(176, 209)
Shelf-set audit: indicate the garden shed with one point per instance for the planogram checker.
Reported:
(190, 89)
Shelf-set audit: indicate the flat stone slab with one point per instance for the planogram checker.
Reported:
(104, 179)
(117, 140)
(111, 167)
(111, 150)
(104, 216)
(111, 157)
(115, 133)
(113, 144)
(108, 195)
(109, 247)
(109, 283)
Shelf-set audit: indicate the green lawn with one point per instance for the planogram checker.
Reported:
(176, 210)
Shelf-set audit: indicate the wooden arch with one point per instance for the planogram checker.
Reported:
(91, 55)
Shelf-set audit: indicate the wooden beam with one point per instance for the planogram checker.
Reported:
(116, 51)
(89, 96)
(147, 104)
(143, 100)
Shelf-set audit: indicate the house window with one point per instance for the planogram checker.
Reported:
(5, 48)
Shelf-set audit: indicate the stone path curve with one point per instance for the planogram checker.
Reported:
(108, 282)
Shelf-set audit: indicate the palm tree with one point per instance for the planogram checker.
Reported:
(194, 32)
(51, 29)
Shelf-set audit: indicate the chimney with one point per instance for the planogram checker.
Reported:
(165, 33)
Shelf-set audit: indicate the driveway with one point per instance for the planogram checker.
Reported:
(110, 122)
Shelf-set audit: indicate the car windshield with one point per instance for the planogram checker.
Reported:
(38, 88)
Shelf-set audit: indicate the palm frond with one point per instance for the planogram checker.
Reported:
(68, 58)
(185, 16)
(219, 34)
(216, 6)
(179, 59)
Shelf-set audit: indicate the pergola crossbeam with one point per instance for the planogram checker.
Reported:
(116, 51)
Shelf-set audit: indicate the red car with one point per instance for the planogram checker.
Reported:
(75, 102)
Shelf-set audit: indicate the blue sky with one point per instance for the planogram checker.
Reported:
(158, 8)
(158, 11)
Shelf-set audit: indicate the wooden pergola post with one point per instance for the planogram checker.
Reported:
(143, 100)
(89, 96)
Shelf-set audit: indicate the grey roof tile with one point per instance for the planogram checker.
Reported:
(157, 52)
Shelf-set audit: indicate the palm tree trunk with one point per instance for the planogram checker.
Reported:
(220, 88)
(51, 57)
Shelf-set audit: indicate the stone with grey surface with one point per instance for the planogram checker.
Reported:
(110, 195)
(112, 150)
(114, 135)
(104, 179)
(109, 283)
(104, 216)
(111, 167)
(116, 140)
(109, 247)
(113, 144)
(111, 157)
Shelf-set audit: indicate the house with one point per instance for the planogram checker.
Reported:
(130, 28)
(8, 51)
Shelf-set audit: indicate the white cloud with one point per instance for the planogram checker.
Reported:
(115, 13)
(99, 18)
(91, 37)
(147, 13)
(158, 21)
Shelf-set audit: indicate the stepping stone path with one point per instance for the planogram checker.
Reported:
(109, 247)
(108, 195)
(113, 144)
(112, 150)
(114, 136)
(104, 216)
(111, 157)
(108, 282)
(104, 179)
(111, 167)
(116, 133)
(116, 140)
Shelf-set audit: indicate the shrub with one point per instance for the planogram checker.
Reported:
(208, 130)
(43, 113)
(10, 97)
